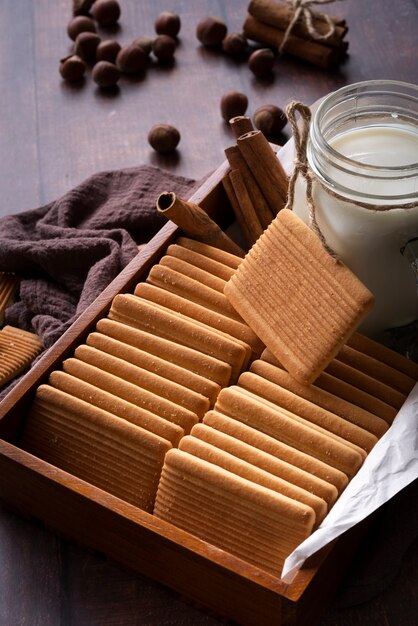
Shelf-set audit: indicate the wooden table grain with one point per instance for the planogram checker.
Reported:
(53, 135)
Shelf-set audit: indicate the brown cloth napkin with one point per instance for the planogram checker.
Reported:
(68, 251)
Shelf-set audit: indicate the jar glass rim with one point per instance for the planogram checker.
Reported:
(377, 87)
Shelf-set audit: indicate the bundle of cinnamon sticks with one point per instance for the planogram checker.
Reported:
(256, 184)
(268, 22)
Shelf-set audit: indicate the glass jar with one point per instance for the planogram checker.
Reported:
(363, 153)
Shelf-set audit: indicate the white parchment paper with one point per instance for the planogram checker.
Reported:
(390, 466)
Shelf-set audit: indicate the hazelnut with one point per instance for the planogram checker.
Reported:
(261, 62)
(106, 12)
(80, 24)
(270, 119)
(167, 23)
(145, 43)
(211, 31)
(86, 45)
(164, 48)
(81, 7)
(108, 50)
(234, 44)
(131, 59)
(72, 68)
(233, 103)
(105, 74)
(163, 138)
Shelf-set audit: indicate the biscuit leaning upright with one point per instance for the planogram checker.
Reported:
(302, 303)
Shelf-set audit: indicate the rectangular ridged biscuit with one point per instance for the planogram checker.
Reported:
(117, 406)
(148, 316)
(193, 272)
(18, 348)
(321, 398)
(222, 256)
(301, 302)
(131, 393)
(209, 368)
(201, 261)
(278, 424)
(221, 458)
(342, 381)
(8, 285)
(194, 402)
(152, 363)
(267, 462)
(280, 395)
(257, 517)
(254, 437)
(179, 304)
(127, 459)
(384, 354)
(193, 290)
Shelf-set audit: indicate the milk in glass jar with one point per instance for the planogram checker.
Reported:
(363, 153)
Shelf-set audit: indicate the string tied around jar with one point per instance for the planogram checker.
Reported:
(301, 166)
(303, 12)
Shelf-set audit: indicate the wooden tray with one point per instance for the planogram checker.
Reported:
(91, 517)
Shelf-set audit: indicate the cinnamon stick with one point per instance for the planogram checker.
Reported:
(237, 162)
(236, 207)
(247, 207)
(266, 168)
(280, 15)
(240, 125)
(307, 50)
(195, 222)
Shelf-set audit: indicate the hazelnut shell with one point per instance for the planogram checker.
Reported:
(211, 31)
(131, 59)
(80, 24)
(261, 62)
(234, 44)
(108, 50)
(233, 103)
(82, 7)
(270, 119)
(72, 68)
(106, 12)
(167, 23)
(164, 138)
(105, 74)
(86, 45)
(145, 43)
(164, 48)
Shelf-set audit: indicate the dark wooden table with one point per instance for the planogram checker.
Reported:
(52, 136)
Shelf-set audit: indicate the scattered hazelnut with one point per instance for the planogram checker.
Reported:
(145, 43)
(131, 59)
(167, 23)
(211, 31)
(72, 68)
(80, 24)
(108, 50)
(261, 62)
(164, 47)
(233, 103)
(86, 45)
(81, 7)
(105, 74)
(163, 138)
(106, 12)
(270, 119)
(234, 44)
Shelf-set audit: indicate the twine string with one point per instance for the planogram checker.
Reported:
(301, 166)
(302, 11)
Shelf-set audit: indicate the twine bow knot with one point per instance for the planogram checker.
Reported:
(303, 11)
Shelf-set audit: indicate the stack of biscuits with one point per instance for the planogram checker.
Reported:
(175, 405)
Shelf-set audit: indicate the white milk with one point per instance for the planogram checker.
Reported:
(370, 242)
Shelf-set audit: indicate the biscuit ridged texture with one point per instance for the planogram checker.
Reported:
(302, 303)
(18, 348)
